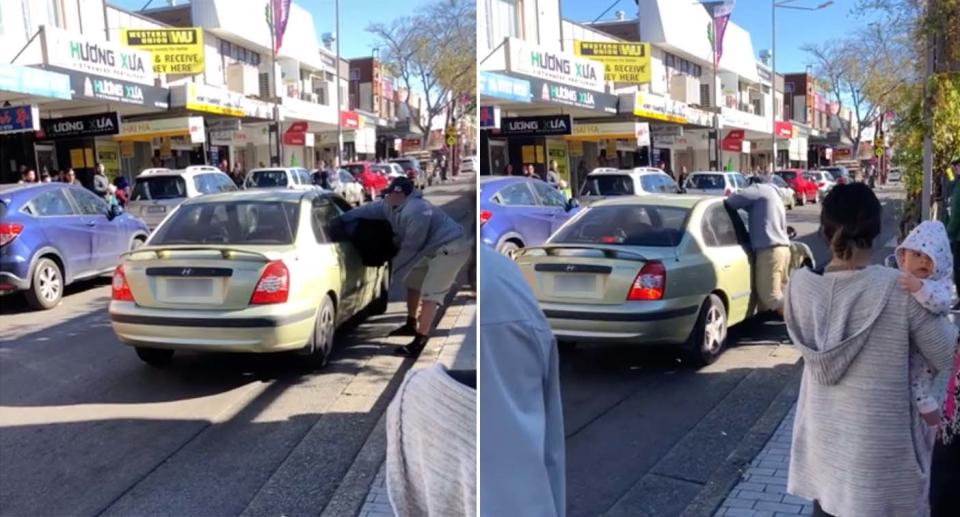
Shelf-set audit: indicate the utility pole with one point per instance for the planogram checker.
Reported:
(773, 88)
(339, 99)
(716, 95)
(271, 21)
(927, 184)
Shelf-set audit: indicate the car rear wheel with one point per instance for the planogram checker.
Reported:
(321, 342)
(379, 305)
(709, 336)
(509, 249)
(46, 287)
(155, 356)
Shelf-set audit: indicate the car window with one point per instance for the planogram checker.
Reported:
(226, 184)
(650, 183)
(778, 181)
(51, 203)
(707, 182)
(354, 169)
(159, 187)
(518, 194)
(608, 185)
(549, 196)
(268, 178)
(346, 177)
(787, 175)
(741, 180)
(323, 212)
(233, 222)
(89, 203)
(305, 178)
(206, 183)
(718, 229)
(632, 225)
(668, 185)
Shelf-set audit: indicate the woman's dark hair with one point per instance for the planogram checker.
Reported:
(850, 218)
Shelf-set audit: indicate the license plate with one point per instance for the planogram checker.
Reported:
(190, 287)
(574, 283)
(156, 209)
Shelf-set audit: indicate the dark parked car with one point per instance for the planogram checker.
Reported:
(53, 234)
(414, 170)
(516, 212)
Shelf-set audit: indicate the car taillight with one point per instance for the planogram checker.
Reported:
(9, 231)
(485, 216)
(121, 289)
(273, 286)
(649, 284)
(727, 192)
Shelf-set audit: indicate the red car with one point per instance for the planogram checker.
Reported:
(803, 187)
(373, 182)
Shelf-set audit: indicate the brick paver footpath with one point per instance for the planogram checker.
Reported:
(455, 348)
(762, 491)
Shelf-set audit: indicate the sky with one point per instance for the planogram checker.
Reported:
(794, 28)
(355, 16)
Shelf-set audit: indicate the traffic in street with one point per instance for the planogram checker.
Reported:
(90, 429)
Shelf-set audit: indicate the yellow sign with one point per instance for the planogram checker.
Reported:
(175, 51)
(76, 159)
(622, 62)
(576, 148)
(126, 149)
(108, 153)
(209, 99)
(88, 154)
(528, 154)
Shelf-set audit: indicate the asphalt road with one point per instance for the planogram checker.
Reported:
(86, 428)
(647, 435)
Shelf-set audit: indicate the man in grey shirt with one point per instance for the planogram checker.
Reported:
(768, 238)
(522, 442)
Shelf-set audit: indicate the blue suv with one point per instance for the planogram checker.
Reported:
(53, 234)
(516, 212)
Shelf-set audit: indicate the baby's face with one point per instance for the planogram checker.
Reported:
(917, 263)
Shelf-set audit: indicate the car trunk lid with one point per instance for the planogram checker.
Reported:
(197, 277)
(586, 274)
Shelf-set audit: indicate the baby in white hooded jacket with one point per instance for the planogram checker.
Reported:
(925, 258)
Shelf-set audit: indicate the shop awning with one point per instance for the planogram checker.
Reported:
(147, 130)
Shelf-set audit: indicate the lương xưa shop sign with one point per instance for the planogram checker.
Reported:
(76, 52)
(536, 126)
(542, 63)
(80, 126)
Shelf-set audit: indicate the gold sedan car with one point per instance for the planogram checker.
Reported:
(251, 271)
(653, 270)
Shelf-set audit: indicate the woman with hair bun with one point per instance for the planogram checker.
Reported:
(858, 441)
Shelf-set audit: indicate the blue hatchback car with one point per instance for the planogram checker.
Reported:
(52, 234)
(516, 212)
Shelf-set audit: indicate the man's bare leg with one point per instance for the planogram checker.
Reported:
(428, 311)
(411, 326)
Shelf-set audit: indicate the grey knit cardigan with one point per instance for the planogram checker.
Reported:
(432, 446)
(859, 447)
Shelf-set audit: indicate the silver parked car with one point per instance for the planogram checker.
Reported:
(158, 191)
(715, 183)
(639, 181)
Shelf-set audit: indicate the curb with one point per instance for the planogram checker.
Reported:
(725, 477)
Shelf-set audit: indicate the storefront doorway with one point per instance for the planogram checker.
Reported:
(47, 159)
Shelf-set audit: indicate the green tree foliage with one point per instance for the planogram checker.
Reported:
(433, 53)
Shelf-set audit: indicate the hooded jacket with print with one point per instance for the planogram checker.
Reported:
(930, 238)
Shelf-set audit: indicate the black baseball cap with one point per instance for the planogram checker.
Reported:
(400, 184)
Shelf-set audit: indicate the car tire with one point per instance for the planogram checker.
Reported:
(509, 249)
(320, 344)
(157, 357)
(709, 336)
(46, 286)
(380, 304)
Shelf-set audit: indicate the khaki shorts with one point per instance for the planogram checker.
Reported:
(434, 274)
(770, 275)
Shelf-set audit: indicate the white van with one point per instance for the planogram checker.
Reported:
(157, 192)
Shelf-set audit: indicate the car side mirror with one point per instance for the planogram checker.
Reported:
(114, 211)
(791, 232)
(572, 203)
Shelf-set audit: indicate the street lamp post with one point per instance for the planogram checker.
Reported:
(339, 91)
(774, 4)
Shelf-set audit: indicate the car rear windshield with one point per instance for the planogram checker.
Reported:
(659, 226)
(159, 187)
(382, 169)
(406, 164)
(266, 179)
(234, 222)
(354, 169)
(608, 185)
(787, 175)
(708, 181)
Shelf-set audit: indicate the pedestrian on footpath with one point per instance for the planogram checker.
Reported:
(953, 231)
(855, 451)
(553, 177)
(768, 238)
(522, 470)
(432, 250)
(101, 184)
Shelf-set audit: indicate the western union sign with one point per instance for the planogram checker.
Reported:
(175, 51)
(622, 62)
